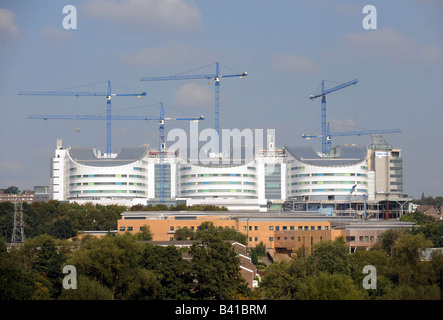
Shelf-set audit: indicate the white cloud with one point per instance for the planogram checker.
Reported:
(163, 15)
(171, 55)
(194, 95)
(293, 64)
(8, 29)
(388, 44)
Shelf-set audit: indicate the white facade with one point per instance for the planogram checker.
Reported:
(132, 177)
(311, 177)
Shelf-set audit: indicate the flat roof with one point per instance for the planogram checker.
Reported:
(345, 156)
(303, 216)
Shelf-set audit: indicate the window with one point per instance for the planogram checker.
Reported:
(306, 228)
(361, 238)
(122, 228)
(171, 228)
(372, 238)
(129, 228)
(285, 228)
(255, 227)
(366, 238)
(300, 228)
(291, 227)
(255, 239)
(277, 228)
(271, 239)
(271, 228)
(312, 228)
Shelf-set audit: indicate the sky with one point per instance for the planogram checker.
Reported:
(287, 47)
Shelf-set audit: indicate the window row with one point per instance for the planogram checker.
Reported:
(218, 175)
(108, 176)
(284, 228)
(327, 182)
(328, 175)
(362, 238)
(107, 191)
(108, 184)
(217, 182)
(218, 190)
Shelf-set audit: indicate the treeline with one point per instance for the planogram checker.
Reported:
(330, 272)
(429, 201)
(119, 267)
(60, 220)
(65, 220)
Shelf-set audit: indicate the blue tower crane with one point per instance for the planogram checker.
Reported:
(330, 134)
(323, 108)
(108, 94)
(161, 119)
(216, 76)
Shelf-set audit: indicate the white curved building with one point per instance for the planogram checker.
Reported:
(272, 176)
(89, 175)
(312, 177)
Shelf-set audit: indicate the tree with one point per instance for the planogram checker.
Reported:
(331, 257)
(87, 289)
(169, 266)
(327, 286)
(279, 283)
(62, 229)
(207, 230)
(11, 190)
(114, 261)
(184, 234)
(407, 268)
(215, 270)
(145, 234)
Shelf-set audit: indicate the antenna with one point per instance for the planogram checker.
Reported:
(18, 232)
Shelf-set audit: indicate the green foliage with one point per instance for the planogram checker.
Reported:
(331, 257)
(328, 286)
(11, 190)
(170, 268)
(207, 230)
(145, 234)
(429, 201)
(215, 269)
(87, 289)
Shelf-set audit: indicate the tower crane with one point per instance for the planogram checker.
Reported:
(161, 119)
(323, 108)
(330, 134)
(108, 94)
(216, 76)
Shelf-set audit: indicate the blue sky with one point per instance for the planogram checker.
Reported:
(287, 47)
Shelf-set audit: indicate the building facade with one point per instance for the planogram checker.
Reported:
(279, 177)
